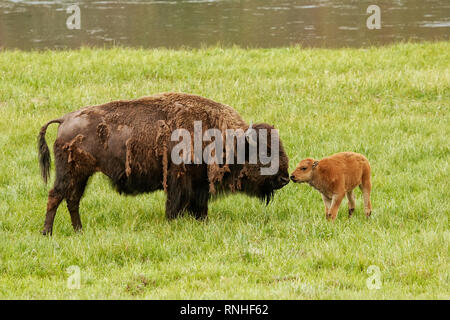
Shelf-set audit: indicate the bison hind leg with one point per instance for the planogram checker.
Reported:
(73, 201)
(54, 199)
(72, 190)
(70, 182)
(59, 191)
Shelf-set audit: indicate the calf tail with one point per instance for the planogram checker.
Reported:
(44, 152)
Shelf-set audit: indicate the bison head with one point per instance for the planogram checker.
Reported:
(269, 172)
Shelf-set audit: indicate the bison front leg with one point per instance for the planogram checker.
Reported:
(198, 204)
(178, 195)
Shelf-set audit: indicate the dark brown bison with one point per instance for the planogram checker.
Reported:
(131, 143)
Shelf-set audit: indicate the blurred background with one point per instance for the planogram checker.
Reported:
(195, 23)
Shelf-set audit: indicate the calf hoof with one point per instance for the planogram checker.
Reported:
(368, 214)
(47, 232)
(350, 212)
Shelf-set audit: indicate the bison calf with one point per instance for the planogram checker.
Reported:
(336, 176)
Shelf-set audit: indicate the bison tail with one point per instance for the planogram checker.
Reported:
(44, 152)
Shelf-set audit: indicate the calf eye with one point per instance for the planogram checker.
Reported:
(303, 169)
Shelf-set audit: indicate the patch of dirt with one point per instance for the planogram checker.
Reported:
(138, 284)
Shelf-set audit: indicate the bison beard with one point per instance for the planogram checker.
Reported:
(129, 141)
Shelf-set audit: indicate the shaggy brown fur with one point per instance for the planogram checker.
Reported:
(129, 141)
(337, 176)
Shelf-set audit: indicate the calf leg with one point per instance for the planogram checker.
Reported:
(327, 204)
(335, 203)
(366, 188)
(351, 203)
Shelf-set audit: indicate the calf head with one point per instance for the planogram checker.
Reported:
(304, 170)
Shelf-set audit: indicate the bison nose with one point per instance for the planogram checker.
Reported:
(284, 180)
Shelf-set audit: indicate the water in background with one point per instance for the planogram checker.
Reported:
(193, 23)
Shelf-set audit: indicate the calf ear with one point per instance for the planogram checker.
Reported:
(315, 164)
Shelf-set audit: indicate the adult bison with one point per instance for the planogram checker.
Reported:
(132, 142)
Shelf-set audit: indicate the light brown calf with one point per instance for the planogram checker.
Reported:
(336, 176)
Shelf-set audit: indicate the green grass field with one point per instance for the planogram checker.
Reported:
(391, 104)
